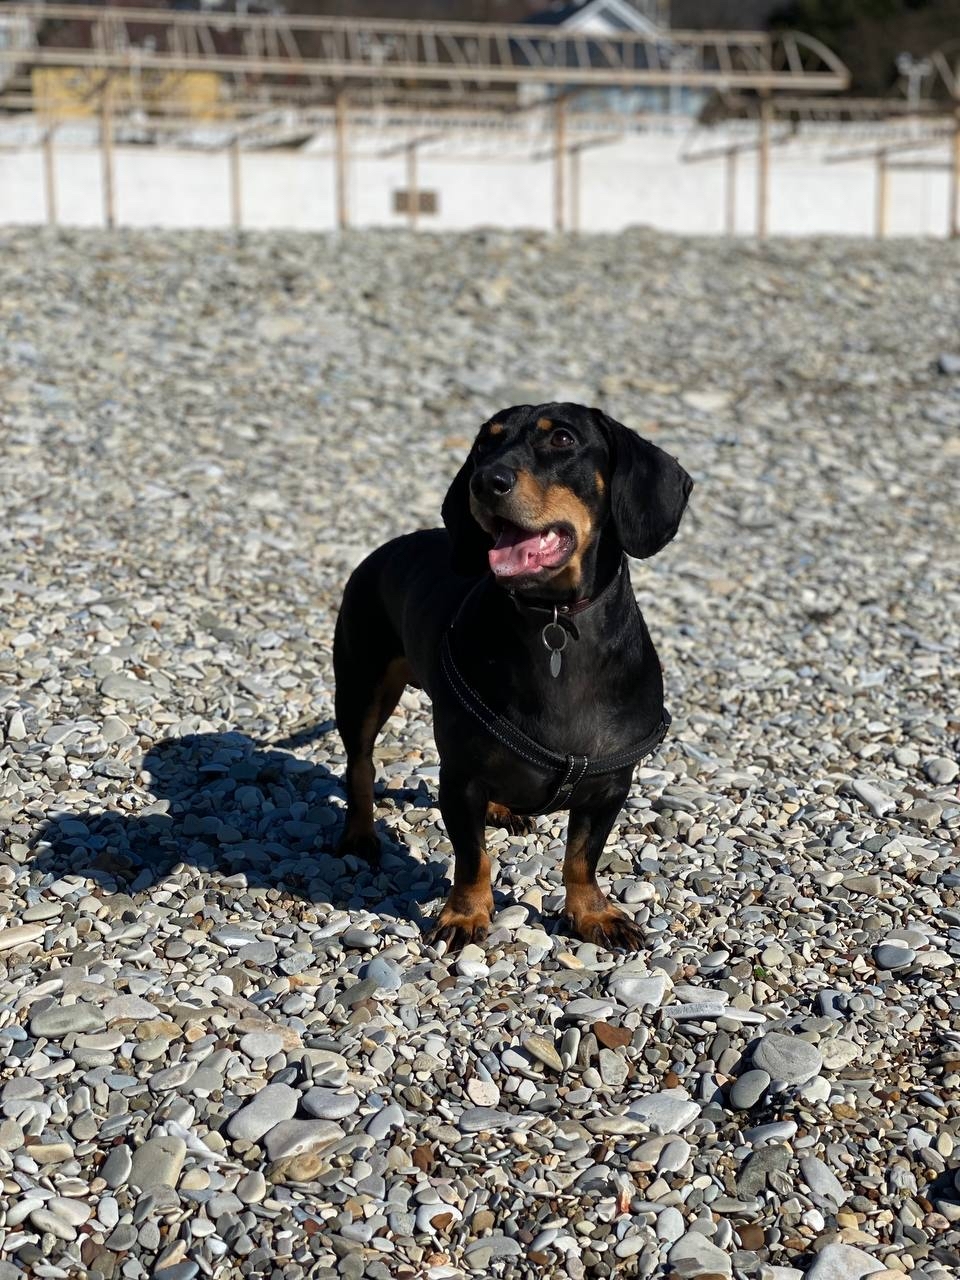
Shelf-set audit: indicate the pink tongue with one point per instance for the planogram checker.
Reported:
(515, 552)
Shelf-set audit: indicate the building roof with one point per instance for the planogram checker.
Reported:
(606, 16)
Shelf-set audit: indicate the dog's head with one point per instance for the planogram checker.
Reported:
(543, 483)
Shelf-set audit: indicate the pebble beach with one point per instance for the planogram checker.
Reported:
(225, 1052)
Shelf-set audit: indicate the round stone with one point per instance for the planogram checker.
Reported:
(893, 955)
(941, 770)
(384, 973)
(788, 1059)
(252, 1188)
(329, 1104)
(59, 1020)
(472, 962)
(748, 1089)
(261, 1044)
(273, 1104)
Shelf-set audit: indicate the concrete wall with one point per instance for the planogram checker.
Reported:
(638, 180)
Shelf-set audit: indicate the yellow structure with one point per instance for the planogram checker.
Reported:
(73, 93)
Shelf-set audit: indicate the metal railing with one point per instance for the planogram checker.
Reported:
(340, 49)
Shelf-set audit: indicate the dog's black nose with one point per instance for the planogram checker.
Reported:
(494, 482)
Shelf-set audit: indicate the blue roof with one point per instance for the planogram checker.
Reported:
(556, 15)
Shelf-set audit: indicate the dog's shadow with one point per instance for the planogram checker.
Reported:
(231, 807)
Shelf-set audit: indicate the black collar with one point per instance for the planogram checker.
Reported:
(526, 605)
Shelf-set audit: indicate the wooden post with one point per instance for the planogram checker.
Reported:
(106, 153)
(883, 192)
(574, 188)
(413, 190)
(763, 168)
(236, 185)
(340, 158)
(50, 176)
(559, 144)
(730, 192)
(955, 181)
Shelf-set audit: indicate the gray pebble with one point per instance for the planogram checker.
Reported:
(788, 1059)
(893, 955)
(57, 1021)
(328, 1104)
(263, 1112)
(157, 1163)
(749, 1088)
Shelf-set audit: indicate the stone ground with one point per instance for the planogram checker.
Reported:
(223, 1052)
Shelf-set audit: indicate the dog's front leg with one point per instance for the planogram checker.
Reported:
(466, 914)
(588, 911)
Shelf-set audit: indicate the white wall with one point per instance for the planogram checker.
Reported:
(640, 179)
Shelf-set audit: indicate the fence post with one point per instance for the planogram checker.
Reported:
(413, 189)
(340, 158)
(763, 168)
(50, 175)
(106, 152)
(236, 184)
(574, 188)
(883, 192)
(559, 144)
(730, 192)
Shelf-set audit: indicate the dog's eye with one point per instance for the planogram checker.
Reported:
(561, 439)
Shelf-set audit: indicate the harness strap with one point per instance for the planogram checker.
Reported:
(576, 768)
(572, 769)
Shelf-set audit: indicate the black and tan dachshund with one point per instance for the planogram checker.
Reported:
(520, 622)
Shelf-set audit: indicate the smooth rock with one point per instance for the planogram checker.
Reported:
(842, 1262)
(669, 1111)
(61, 1020)
(637, 991)
(301, 1137)
(892, 955)
(694, 1255)
(748, 1089)
(543, 1050)
(825, 1188)
(838, 1053)
(157, 1163)
(329, 1104)
(273, 1104)
(786, 1058)
(20, 935)
(261, 1044)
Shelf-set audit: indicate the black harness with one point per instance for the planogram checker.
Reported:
(569, 769)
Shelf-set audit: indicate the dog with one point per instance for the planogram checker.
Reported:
(519, 620)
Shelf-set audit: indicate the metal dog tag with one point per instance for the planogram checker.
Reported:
(556, 645)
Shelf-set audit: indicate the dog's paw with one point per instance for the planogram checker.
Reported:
(456, 926)
(608, 927)
(498, 815)
(364, 847)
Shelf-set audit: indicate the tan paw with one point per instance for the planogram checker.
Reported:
(607, 927)
(459, 924)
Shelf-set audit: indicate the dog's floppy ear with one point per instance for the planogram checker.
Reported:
(648, 490)
(469, 544)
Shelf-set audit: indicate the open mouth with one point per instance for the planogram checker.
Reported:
(521, 553)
